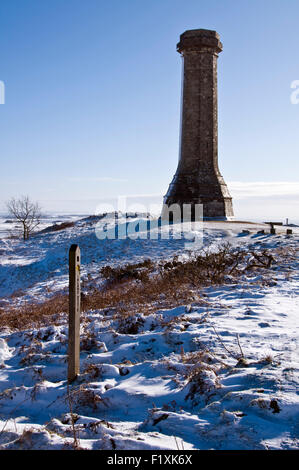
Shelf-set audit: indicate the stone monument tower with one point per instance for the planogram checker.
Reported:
(197, 179)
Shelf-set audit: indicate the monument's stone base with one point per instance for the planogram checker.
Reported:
(209, 191)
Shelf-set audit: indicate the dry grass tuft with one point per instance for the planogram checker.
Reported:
(93, 371)
(86, 397)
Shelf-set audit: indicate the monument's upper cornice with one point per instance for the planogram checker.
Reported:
(198, 40)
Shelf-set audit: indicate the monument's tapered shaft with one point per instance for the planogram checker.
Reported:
(197, 179)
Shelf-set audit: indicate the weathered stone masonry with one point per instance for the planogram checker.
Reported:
(197, 179)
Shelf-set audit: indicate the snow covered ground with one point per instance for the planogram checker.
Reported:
(218, 373)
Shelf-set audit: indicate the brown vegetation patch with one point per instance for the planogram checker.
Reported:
(145, 287)
(52, 311)
(57, 227)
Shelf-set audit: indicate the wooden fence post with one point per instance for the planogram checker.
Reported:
(74, 314)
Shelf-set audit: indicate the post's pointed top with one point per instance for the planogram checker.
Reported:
(74, 248)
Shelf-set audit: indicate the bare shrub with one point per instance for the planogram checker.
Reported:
(208, 267)
(26, 213)
(260, 260)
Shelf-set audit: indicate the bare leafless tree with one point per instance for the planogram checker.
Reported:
(26, 212)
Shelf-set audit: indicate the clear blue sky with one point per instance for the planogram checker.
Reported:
(93, 97)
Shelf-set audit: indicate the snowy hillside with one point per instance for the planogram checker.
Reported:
(218, 370)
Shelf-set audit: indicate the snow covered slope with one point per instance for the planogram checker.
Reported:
(218, 373)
